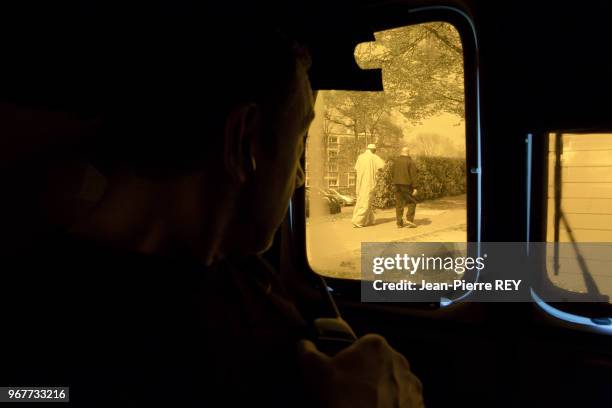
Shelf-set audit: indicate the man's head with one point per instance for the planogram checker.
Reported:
(405, 152)
(277, 145)
(235, 123)
(372, 147)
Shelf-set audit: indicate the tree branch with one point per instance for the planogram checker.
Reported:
(444, 40)
(450, 98)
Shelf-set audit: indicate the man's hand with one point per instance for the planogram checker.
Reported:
(368, 374)
(415, 191)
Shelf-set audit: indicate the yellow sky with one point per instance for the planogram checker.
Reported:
(450, 127)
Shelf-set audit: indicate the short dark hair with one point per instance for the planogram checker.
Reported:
(173, 95)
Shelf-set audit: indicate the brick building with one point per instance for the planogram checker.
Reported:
(332, 165)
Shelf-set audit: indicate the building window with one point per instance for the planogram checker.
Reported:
(351, 179)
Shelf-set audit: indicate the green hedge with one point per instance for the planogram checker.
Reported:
(438, 177)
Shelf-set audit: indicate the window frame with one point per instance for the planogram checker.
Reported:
(351, 179)
(385, 18)
(576, 315)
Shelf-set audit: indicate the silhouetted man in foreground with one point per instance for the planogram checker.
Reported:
(405, 180)
(159, 294)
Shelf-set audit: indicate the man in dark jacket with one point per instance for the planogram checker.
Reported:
(405, 180)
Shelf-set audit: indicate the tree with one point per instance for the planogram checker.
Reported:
(358, 112)
(388, 136)
(426, 144)
(366, 117)
(422, 69)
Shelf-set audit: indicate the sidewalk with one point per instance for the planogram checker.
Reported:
(334, 246)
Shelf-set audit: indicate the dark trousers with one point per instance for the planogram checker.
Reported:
(403, 198)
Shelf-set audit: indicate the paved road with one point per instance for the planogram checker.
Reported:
(334, 246)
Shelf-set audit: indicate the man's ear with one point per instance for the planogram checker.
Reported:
(242, 128)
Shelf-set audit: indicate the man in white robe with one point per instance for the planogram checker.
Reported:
(368, 164)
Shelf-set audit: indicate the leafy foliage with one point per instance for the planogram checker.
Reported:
(422, 68)
(437, 177)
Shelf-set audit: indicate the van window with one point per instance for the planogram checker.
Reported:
(358, 139)
(579, 211)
